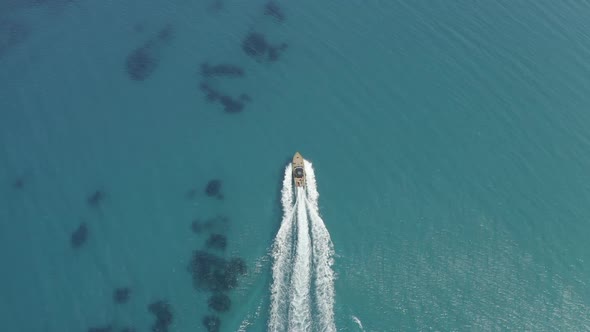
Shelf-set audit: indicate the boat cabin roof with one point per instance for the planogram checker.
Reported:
(299, 172)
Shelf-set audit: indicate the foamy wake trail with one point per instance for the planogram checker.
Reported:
(323, 252)
(282, 259)
(300, 258)
(358, 322)
(300, 309)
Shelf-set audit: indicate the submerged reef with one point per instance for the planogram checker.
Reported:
(208, 271)
(96, 198)
(219, 302)
(223, 70)
(79, 236)
(214, 273)
(213, 187)
(273, 9)
(121, 295)
(161, 309)
(256, 46)
(212, 323)
(229, 103)
(141, 63)
(216, 241)
(144, 60)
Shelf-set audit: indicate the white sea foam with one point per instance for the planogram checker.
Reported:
(302, 257)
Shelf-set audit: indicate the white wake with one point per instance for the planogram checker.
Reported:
(302, 257)
(300, 309)
(323, 252)
(282, 259)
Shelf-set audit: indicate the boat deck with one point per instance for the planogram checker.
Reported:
(298, 170)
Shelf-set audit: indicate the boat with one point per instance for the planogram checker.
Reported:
(298, 170)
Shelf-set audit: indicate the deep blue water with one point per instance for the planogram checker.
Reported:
(450, 141)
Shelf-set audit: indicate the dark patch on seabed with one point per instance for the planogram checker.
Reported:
(229, 103)
(96, 198)
(256, 46)
(141, 63)
(213, 188)
(121, 295)
(79, 236)
(219, 302)
(273, 9)
(214, 273)
(161, 309)
(145, 59)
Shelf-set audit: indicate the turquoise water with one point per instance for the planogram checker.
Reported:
(450, 142)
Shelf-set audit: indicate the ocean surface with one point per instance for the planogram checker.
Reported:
(450, 142)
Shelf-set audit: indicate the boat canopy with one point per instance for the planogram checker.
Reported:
(299, 172)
